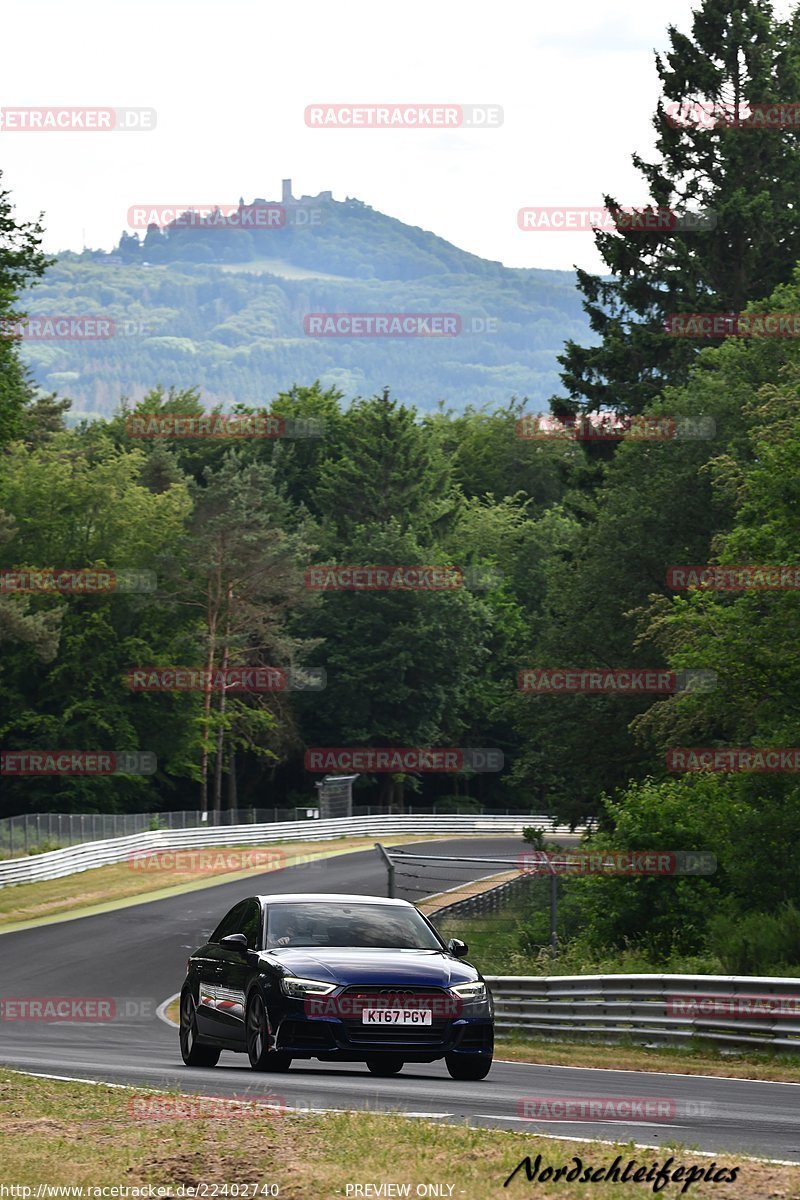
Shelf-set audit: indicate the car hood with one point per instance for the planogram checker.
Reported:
(343, 966)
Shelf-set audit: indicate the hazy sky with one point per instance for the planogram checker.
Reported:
(230, 83)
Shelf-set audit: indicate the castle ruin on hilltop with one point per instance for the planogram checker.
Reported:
(287, 199)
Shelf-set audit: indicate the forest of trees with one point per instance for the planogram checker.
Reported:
(574, 539)
(236, 328)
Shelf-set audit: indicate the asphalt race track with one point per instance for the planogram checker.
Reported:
(137, 956)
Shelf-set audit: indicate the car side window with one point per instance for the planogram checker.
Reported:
(251, 926)
(231, 923)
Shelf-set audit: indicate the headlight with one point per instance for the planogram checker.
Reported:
(470, 991)
(300, 988)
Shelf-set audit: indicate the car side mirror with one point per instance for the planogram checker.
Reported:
(457, 948)
(236, 942)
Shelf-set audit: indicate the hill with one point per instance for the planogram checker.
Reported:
(207, 300)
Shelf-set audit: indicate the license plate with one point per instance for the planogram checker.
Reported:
(396, 1016)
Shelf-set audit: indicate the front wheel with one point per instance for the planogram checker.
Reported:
(388, 1065)
(262, 1058)
(192, 1052)
(463, 1066)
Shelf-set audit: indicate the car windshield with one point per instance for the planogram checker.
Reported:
(378, 926)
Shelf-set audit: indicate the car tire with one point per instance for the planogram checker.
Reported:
(193, 1053)
(387, 1065)
(257, 1033)
(468, 1066)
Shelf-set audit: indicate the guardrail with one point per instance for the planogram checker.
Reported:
(57, 863)
(481, 902)
(729, 1009)
(28, 831)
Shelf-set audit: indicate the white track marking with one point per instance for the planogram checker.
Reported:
(161, 1012)
(559, 1137)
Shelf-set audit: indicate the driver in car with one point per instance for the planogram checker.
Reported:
(293, 935)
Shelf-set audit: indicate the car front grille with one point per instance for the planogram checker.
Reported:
(417, 1035)
(394, 996)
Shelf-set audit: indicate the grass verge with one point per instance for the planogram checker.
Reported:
(102, 888)
(80, 1135)
(697, 1059)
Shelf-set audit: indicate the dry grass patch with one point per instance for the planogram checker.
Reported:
(103, 886)
(81, 1135)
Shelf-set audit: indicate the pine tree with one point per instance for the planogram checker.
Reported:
(21, 262)
(747, 180)
(390, 468)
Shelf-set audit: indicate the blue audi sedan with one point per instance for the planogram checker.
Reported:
(339, 979)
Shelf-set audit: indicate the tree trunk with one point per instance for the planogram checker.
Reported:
(222, 699)
(385, 793)
(233, 798)
(211, 622)
(398, 795)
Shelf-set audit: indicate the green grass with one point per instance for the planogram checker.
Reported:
(696, 1058)
(74, 1134)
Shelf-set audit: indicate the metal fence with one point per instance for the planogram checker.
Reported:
(32, 832)
(725, 1009)
(26, 833)
(662, 1008)
(57, 863)
(482, 902)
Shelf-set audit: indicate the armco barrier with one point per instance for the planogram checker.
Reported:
(651, 1008)
(489, 900)
(57, 863)
(640, 1007)
(27, 831)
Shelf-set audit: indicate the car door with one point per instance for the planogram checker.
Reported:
(234, 974)
(212, 965)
